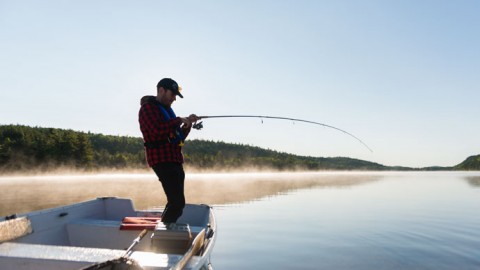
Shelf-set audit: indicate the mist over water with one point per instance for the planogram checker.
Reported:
(19, 194)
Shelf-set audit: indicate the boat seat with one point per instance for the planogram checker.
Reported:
(98, 233)
(34, 256)
(42, 256)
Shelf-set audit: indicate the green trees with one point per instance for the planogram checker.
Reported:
(117, 152)
(23, 147)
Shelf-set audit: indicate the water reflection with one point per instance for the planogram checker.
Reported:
(474, 181)
(24, 194)
(408, 220)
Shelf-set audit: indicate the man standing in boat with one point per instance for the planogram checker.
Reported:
(164, 134)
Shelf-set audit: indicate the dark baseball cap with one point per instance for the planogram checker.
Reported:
(170, 84)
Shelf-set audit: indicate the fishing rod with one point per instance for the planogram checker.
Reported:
(199, 125)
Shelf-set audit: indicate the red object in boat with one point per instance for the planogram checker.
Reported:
(139, 223)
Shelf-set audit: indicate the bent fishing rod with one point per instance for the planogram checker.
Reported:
(199, 125)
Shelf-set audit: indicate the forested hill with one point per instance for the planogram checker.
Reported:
(472, 163)
(24, 148)
(220, 155)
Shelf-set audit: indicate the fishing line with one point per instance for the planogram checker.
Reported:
(199, 125)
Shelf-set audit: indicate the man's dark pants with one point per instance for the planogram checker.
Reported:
(172, 177)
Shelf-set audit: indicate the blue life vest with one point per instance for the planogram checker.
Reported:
(176, 137)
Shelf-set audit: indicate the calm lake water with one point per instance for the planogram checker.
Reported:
(404, 220)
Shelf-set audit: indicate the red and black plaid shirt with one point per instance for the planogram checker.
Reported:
(155, 128)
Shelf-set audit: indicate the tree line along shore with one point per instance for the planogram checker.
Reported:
(24, 148)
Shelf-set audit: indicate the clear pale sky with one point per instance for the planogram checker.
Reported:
(403, 76)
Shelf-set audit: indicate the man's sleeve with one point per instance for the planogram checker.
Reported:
(153, 122)
(186, 131)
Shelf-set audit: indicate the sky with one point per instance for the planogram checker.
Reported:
(402, 76)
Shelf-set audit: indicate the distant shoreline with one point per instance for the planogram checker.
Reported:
(52, 150)
(127, 172)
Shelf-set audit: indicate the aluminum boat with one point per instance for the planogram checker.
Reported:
(107, 233)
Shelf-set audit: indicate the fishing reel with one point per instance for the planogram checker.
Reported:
(198, 125)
